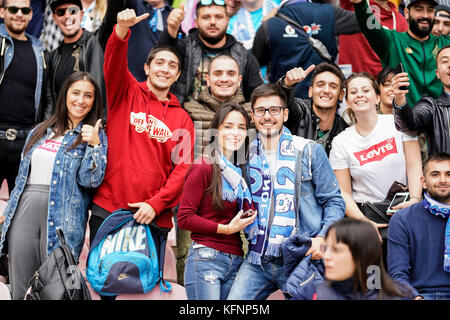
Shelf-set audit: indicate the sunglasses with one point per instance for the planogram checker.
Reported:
(208, 2)
(14, 10)
(62, 11)
(273, 110)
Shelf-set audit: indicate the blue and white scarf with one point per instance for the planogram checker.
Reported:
(441, 210)
(234, 187)
(264, 191)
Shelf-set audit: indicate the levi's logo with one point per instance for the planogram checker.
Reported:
(377, 152)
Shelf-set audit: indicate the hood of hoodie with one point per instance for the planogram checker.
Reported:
(173, 101)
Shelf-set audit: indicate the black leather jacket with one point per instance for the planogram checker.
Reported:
(430, 116)
(92, 47)
(302, 121)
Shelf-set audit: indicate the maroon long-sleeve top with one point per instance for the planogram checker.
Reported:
(196, 212)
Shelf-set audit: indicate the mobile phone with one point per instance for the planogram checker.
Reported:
(247, 214)
(399, 197)
(399, 69)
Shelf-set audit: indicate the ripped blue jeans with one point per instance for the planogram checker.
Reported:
(209, 273)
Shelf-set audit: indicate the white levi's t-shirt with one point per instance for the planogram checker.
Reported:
(43, 160)
(375, 161)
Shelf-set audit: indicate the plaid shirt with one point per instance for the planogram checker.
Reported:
(51, 35)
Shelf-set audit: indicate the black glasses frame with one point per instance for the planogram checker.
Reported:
(14, 10)
(273, 111)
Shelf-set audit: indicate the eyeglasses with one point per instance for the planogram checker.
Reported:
(62, 11)
(273, 111)
(14, 10)
(208, 2)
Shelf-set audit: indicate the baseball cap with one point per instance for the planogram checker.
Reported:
(56, 3)
(443, 8)
(408, 3)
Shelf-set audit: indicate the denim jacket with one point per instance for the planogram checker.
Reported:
(72, 181)
(319, 201)
(42, 110)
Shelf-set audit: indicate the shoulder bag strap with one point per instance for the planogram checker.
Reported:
(315, 43)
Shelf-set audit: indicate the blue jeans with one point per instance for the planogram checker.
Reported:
(209, 273)
(255, 282)
(436, 296)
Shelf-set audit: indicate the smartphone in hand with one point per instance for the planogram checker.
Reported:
(399, 197)
(247, 214)
(399, 69)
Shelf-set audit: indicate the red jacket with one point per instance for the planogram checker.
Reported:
(150, 142)
(355, 50)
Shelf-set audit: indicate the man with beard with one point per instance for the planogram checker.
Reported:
(209, 39)
(419, 236)
(81, 50)
(416, 48)
(22, 85)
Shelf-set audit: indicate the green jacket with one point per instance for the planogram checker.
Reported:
(392, 47)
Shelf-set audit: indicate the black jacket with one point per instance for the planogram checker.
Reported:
(92, 47)
(192, 49)
(430, 116)
(302, 121)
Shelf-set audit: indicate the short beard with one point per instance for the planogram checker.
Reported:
(212, 40)
(421, 33)
(442, 199)
(16, 31)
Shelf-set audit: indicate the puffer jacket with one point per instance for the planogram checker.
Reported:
(302, 273)
(430, 116)
(202, 112)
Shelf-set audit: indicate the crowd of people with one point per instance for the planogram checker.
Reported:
(263, 131)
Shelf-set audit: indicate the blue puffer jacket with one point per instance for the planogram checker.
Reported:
(302, 273)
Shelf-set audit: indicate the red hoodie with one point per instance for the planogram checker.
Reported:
(355, 50)
(150, 142)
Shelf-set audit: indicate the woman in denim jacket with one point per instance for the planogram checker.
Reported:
(64, 158)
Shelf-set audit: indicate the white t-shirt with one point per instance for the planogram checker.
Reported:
(43, 160)
(375, 161)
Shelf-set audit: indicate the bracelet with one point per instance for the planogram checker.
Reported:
(414, 197)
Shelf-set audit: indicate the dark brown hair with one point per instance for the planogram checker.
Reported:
(268, 90)
(328, 67)
(60, 120)
(239, 157)
(161, 48)
(365, 247)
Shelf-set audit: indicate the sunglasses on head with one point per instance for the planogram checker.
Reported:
(62, 11)
(208, 2)
(14, 10)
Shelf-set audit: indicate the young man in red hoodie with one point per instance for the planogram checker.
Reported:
(150, 137)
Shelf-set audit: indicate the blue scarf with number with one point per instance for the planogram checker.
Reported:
(267, 193)
(441, 210)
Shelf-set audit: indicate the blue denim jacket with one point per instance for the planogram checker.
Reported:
(70, 193)
(7, 54)
(320, 202)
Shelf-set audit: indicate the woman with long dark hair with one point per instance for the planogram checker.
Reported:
(64, 158)
(354, 268)
(214, 199)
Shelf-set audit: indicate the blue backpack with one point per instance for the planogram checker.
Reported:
(123, 258)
